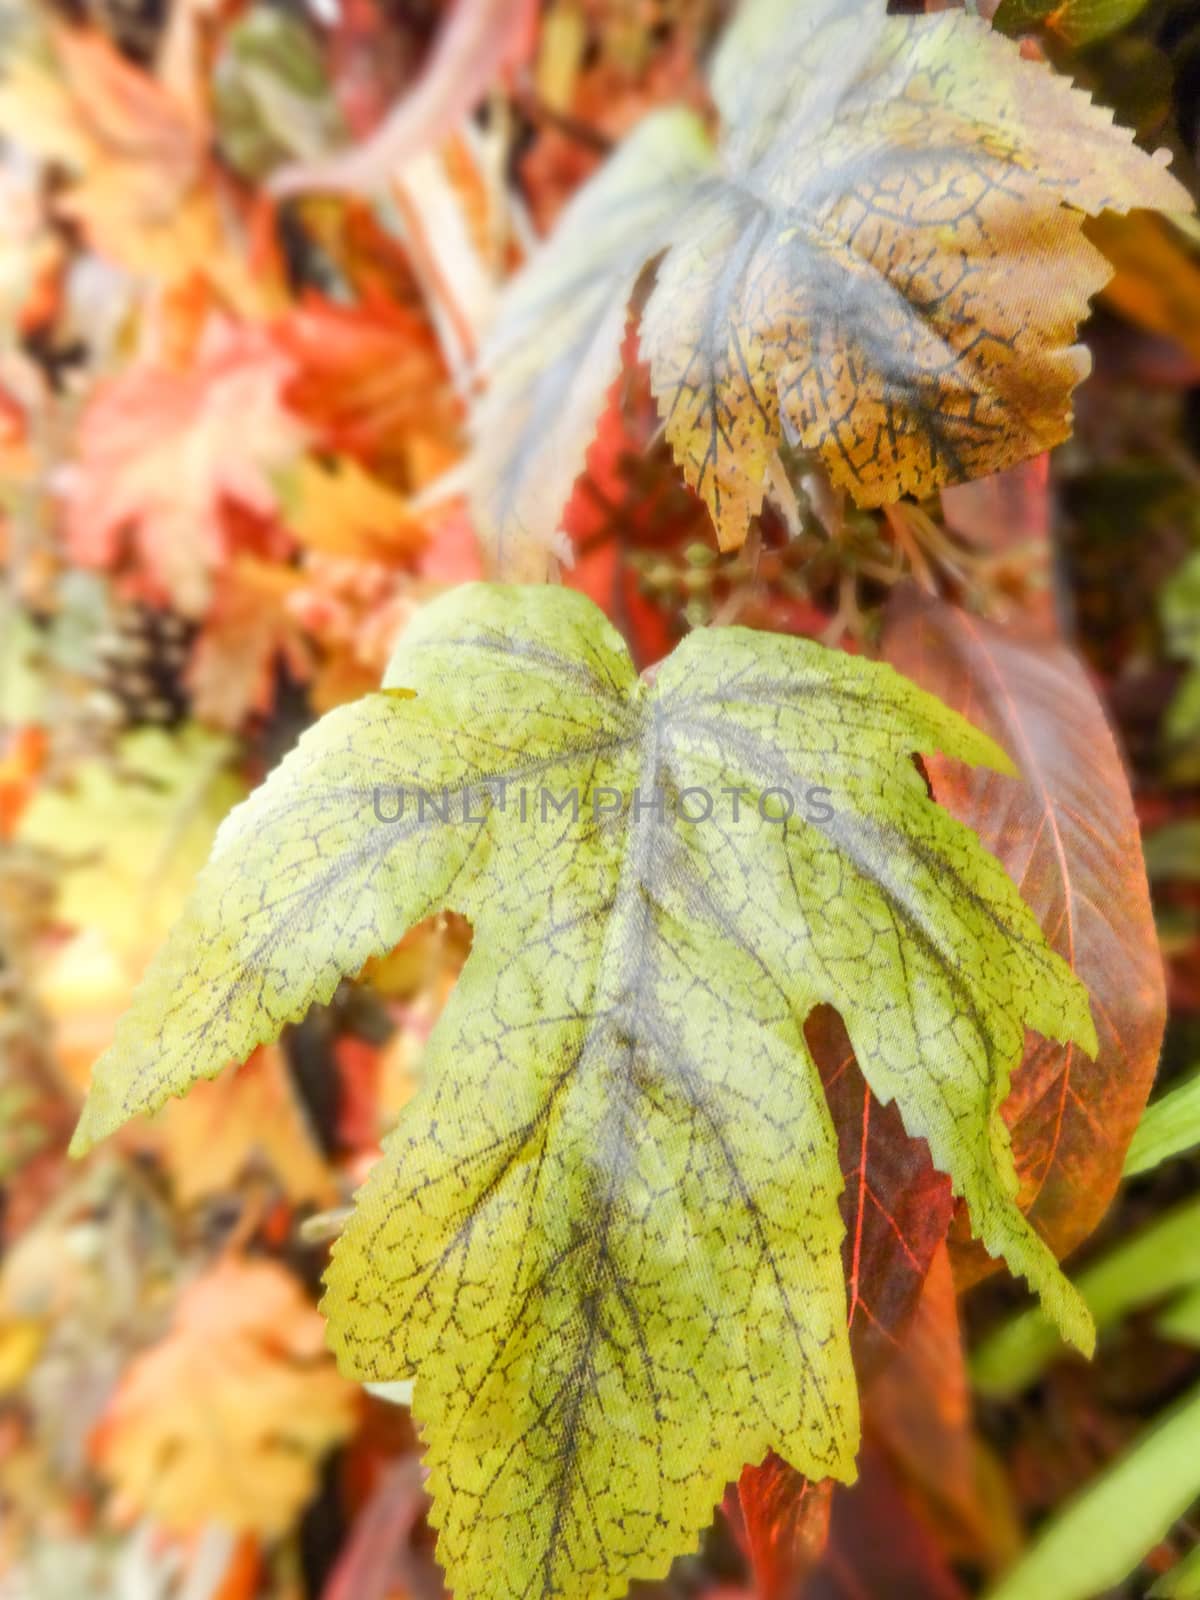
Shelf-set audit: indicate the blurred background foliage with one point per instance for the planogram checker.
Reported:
(231, 468)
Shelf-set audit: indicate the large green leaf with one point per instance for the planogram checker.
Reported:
(1159, 1260)
(605, 1235)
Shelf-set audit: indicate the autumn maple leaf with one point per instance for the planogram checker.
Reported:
(369, 380)
(882, 262)
(228, 1417)
(160, 449)
(140, 181)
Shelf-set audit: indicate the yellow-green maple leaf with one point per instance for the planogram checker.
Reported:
(882, 262)
(605, 1234)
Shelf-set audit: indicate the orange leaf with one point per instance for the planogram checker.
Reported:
(246, 1115)
(160, 449)
(343, 511)
(22, 756)
(249, 632)
(366, 378)
(226, 1419)
(918, 1408)
(896, 1209)
(1157, 281)
(142, 186)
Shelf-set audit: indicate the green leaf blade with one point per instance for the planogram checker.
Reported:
(1170, 1126)
(1097, 1539)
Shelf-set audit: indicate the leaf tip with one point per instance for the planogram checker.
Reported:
(1076, 1323)
(87, 1134)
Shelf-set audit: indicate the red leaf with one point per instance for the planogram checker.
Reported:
(1068, 835)
(896, 1209)
(919, 1410)
(878, 1549)
(782, 1523)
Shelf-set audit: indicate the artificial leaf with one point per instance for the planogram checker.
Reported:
(1005, 510)
(1154, 1263)
(918, 1409)
(161, 448)
(896, 1210)
(1008, 517)
(605, 1233)
(340, 509)
(784, 1525)
(247, 636)
(895, 1205)
(354, 611)
(1069, 836)
(878, 1544)
(887, 267)
(557, 349)
(228, 1417)
(141, 190)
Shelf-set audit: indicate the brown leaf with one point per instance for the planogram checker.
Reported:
(1068, 836)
